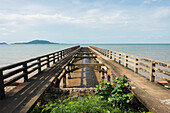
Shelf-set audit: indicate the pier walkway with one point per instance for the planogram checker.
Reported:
(81, 67)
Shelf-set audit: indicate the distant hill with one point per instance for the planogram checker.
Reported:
(3, 43)
(37, 42)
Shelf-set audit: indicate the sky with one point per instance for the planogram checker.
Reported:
(85, 21)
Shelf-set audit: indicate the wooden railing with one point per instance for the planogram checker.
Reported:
(138, 63)
(10, 74)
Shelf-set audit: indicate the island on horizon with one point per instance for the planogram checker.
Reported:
(37, 42)
(3, 43)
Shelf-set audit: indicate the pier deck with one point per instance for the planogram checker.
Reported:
(80, 67)
(155, 97)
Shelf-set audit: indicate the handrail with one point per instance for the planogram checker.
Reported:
(23, 69)
(137, 63)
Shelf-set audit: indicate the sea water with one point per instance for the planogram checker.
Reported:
(10, 54)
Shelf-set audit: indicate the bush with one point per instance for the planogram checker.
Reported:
(88, 104)
(110, 98)
(117, 93)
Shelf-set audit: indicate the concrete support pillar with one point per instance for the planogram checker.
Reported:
(69, 68)
(109, 74)
(64, 80)
(108, 78)
(102, 74)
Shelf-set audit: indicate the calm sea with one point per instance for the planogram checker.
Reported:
(10, 54)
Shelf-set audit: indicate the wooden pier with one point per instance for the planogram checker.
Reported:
(65, 69)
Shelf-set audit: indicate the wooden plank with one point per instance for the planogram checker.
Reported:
(166, 72)
(23, 98)
(85, 57)
(14, 79)
(87, 64)
(144, 64)
(143, 69)
(13, 72)
(2, 92)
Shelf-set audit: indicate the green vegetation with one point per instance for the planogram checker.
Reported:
(116, 93)
(109, 98)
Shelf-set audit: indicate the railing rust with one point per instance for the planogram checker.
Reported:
(137, 63)
(24, 68)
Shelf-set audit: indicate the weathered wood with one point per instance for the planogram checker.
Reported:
(143, 69)
(102, 74)
(114, 56)
(144, 90)
(2, 92)
(25, 72)
(144, 64)
(32, 65)
(119, 59)
(33, 69)
(85, 57)
(111, 54)
(12, 80)
(48, 61)
(23, 98)
(27, 69)
(126, 61)
(64, 80)
(162, 71)
(11, 66)
(136, 66)
(54, 58)
(87, 64)
(13, 72)
(152, 77)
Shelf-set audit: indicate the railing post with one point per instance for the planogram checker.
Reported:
(64, 80)
(115, 56)
(136, 65)
(152, 77)
(25, 72)
(119, 58)
(126, 61)
(102, 74)
(102, 51)
(69, 68)
(61, 55)
(53, 58)
(39, 65)
(108, 75)
(48, 61)
(2, 91)
(58, 56)
(110, 54)
(108, 78)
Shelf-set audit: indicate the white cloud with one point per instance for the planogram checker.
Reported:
(4, 34)
(2, 29)
(13, 31)
(55, 17)
(162, 12)
(93, 11)
(150, 1)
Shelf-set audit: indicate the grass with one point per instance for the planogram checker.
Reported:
(110, 97)
(85, 104)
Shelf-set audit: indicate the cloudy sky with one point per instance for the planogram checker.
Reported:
(85, 21)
